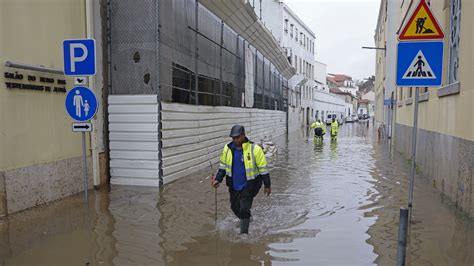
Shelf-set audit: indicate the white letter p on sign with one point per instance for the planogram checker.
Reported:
(75, 59)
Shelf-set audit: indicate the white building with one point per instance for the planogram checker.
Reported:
(325, 102)
(367, 104)
(297, 40)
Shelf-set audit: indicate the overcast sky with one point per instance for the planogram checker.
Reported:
(342, 27)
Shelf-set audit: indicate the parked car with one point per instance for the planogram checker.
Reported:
(355, 118)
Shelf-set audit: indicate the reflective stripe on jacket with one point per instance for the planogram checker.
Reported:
(254, 161)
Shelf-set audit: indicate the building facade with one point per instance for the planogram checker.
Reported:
(298, 42)
(170, 83)
(40, 156)
(445, 142)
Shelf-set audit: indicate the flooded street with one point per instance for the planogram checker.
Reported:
(331, 204)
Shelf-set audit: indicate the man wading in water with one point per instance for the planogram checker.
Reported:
(244, 166)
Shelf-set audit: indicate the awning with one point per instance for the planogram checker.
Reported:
(297, 81)
(240, 16)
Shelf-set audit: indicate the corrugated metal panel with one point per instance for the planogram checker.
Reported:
(133, 134)
(190, 133)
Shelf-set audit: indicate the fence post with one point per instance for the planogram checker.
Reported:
(196, 54)
(402, 237)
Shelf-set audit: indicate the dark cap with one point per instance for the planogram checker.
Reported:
(236, 131)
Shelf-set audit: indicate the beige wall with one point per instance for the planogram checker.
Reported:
(34, 126)
(380, 59)
(453, 114)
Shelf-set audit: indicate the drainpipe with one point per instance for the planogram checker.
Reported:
(91, 83)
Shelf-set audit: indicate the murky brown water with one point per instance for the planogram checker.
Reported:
(332, 204)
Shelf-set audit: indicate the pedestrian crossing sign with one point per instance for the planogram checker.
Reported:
(419, 68)
(420, 64)
(422, 25)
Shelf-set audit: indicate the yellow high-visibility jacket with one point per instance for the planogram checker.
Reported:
(255, 165)
(318, 125)
(334, 128)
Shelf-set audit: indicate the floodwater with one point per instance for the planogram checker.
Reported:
(332, 204)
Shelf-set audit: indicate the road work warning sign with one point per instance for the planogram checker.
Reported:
(422, 25)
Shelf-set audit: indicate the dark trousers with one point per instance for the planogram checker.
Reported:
(241, 202)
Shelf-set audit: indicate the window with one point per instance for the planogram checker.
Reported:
(304, 68)
(301, 67)
(291, 30)
(296, 63)
(286, 25)
(296, 34)
(411, 92)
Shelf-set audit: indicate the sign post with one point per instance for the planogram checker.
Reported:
(81, 102)
(419, 64)
(81, 105)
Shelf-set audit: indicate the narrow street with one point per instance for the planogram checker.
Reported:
(331, 204)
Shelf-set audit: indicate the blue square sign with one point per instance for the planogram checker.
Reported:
(420, 64)
(79, 57)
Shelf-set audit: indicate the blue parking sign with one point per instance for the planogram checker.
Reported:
(79, 57)
(81, 103)
(420, 64)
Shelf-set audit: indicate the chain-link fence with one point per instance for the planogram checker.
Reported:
(133, 34)
(185, 39)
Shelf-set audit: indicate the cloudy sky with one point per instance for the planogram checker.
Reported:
(342, 27)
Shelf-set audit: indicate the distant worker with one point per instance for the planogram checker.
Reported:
(319, 129)
(244, 166)
(334, 129)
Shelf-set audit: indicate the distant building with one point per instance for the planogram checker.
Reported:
(348, 97)
(366, 105)
(297, 40)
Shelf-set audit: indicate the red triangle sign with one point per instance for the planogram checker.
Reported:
(422, 25)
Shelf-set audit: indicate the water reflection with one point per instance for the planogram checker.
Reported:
(332, 203)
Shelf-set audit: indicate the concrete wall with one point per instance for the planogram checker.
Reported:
(193, 134)
(38, 184)
(446, 160)
(40, 158)
(35, 127)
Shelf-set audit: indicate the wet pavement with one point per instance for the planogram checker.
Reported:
(332, 204)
